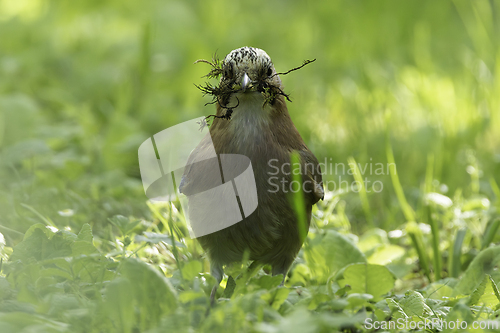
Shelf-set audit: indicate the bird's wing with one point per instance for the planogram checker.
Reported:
(202, 170)
(313, 180)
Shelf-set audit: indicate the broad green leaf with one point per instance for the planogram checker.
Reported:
(300, 275)
(62, 263)
(119, 304)
(413, 304)
(189, 296)
(39, 226)
(339, 304)
(276, 297)
(27, 322)
(439, 290)
(152, 291)
(344, 290)
(299, 320)
(336, 323)
(91, 268)
(16, 306)
(191, 269)
(381, 310)
(268, 282)
(484, 263)
(5, 289)
(478, 292)
(123, 224)
(317, 299)
(494, 287)
(328, 253)
(396, 310)
(460, 312)
(56, 272)
(357, 299)
(372, 239)
(230, 286)
(386, 254)
(39, 247)
(82, 247)
(488, 298)
(370, 279)
(60, 304)
(85, 234)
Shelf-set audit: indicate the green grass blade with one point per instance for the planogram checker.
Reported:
(455, 264)
(418, 242)
(361, 190)
(297, 197)
(490, 233)
(407, 210)
(437, 260)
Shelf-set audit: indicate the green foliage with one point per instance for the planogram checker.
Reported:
(327, 253)
(58, 281)
(484, 263)
(370, 279)
(409, 84)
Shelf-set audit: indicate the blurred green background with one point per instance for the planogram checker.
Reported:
(83, 83)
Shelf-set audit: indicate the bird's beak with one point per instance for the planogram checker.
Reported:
(245, 82)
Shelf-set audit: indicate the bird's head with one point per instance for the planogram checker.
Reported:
(249, 69)
(247, 75)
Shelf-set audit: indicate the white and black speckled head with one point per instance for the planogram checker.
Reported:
(253, 62)
(247, 59)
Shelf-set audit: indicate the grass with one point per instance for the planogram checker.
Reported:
(413, 84)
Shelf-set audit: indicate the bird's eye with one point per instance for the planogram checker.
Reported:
(228, 73)
(269, 71)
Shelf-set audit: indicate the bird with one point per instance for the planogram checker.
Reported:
(252, 120)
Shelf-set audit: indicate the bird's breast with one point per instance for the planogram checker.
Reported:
(250, 125)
